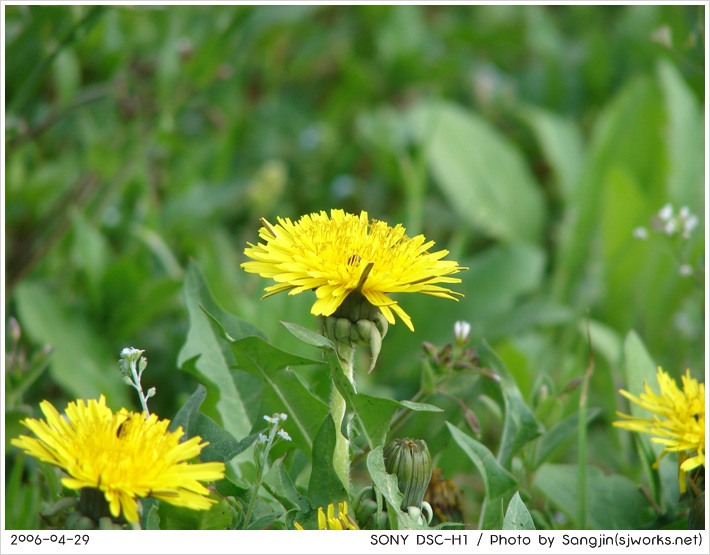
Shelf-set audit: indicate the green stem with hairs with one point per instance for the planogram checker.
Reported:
(341, 454)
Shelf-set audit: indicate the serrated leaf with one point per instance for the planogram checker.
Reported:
(223, 446)
(279, 484)
(308, 337)
(205, 353)
(517, 516)
(374, 413)
(283, 389)
(325, 486)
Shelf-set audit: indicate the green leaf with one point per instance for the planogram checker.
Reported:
(223, 446)
(387, 486)
(325, 486)
(482, 174)
(614, 502)
(554, 437)
(205, 354)
(517, 516)
(284, 391)
(519, 424)
(82, 362)
(640, 369)
(279, 484)
(374, 413)
(561, 143)
(187, 410)
(684, 138)
(218, 517)
(150, 519)
(496, 479)
(308, 337)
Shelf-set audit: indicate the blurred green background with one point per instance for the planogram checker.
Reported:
(529, 141)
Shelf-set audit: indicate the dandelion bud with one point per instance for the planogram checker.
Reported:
(410, 461)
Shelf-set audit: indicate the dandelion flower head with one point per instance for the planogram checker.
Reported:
(124, 455)
(678, 421)
(340, 253)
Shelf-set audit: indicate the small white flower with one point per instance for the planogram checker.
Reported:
(131, 351)
(685, 270)
(671, 227)
(666, 213)
(640, 233)
(689, 224)
(283, 416)
(284, 435)
(272, 419)
(462, 332)
(684, 212)
(262, 437)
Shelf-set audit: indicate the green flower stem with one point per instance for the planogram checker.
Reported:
(341, 454)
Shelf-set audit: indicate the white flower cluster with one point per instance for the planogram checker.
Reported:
(668, 222)
(275, 419)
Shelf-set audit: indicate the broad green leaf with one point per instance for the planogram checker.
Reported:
(190, 407)
(561, 143)
(223, 446)
(519, 424)
(684, 139)
(614, 502)
(626, 140)
(554, 437)
(206, 354)
(517, 517)
(308, 337)
(152, 521)
(374, 413)
(482, 174)
(284, 391)
(82, 363)
(325, 486)
(279, 484)
(150, 518)
(218, 517)
(496, 479)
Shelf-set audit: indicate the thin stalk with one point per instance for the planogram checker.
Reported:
(341, 454)
(582, 443)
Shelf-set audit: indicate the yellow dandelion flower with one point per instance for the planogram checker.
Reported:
(124, 455)
(342, 253)
(678, 422)
(330, 522)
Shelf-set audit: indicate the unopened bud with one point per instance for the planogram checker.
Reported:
(462, 332)
(410, 461)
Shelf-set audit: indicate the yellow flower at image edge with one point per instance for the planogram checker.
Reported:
(678, 421)
(342, 522)
(342, 253)
(124, 455)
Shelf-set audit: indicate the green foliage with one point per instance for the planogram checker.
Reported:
(144, 144)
